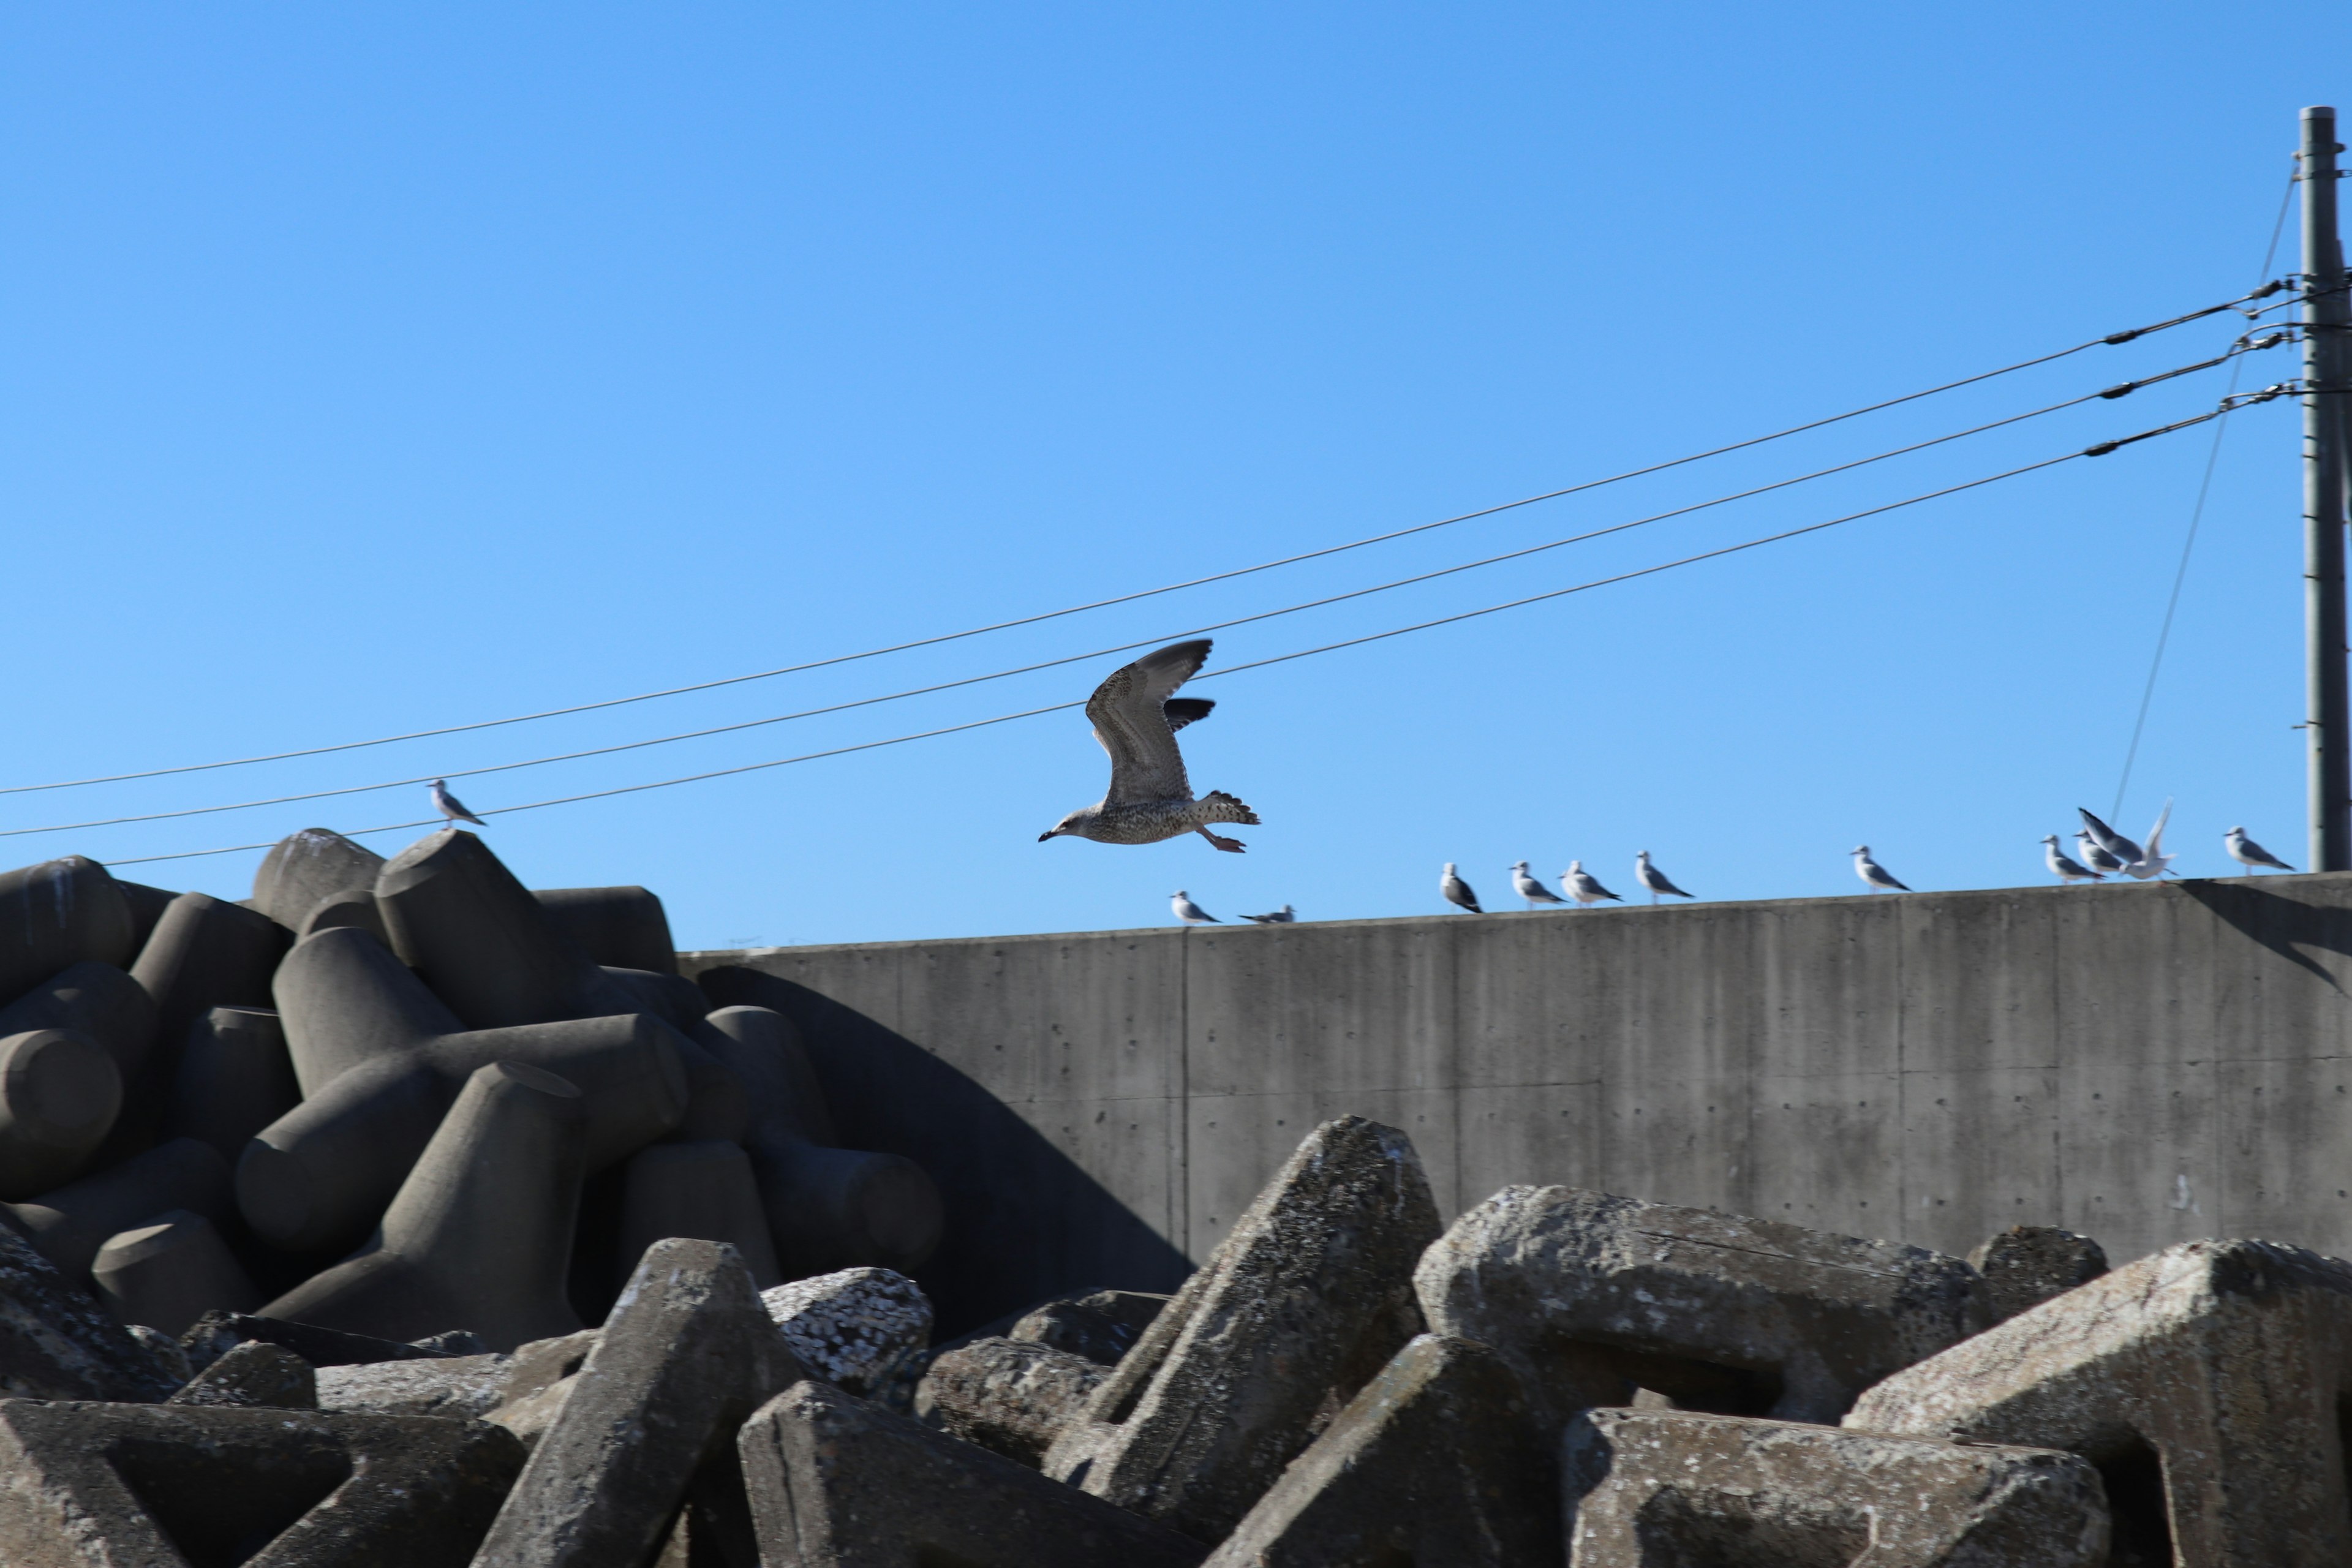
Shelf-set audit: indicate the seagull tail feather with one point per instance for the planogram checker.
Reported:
(1223, 807)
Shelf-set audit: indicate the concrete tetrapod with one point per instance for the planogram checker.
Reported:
(828, 1209)
(2026, 1265)
(169, 1273)
(703, 1191)
(1651, 1486)
(253, 1373)
(2205, 1383)
(205, 954)
(58, 914)
(1305, 1300)
(836, 1482)
(480, 1235)
(235, 1080)
(95, 999)
(303, 870)
(1010, 1396)
(1580, 1289)
(622, 927)
(58, 1092)
(56, 1343)
(688, 1354)
(147, 907)
(67, 1226)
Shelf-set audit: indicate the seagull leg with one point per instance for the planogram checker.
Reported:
(1232, 846)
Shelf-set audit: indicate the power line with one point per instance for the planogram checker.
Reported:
(2098, 450)
(2243, 345)
(2112, 338)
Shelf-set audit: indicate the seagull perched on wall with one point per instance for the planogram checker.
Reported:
(1136, 715)
(2246, 852)
(450, 806)
(1527, 887)
(1457, 891)
(2096, 859)
(1281, 916)
(2153, 862)
(1874, 874)
(1655, 880)
(2107, 838)
(1583, 886)
(1190, 913)
(2063, 865)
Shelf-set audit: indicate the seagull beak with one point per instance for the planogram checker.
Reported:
(1042, 837)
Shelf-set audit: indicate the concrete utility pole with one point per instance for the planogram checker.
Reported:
(2328, 717)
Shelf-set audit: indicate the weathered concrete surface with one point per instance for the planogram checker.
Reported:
(57, 1343)
(2026, 1265)
(1674, 1486)
(836, 1482)
(1561, 1281)
(1896, 1066)
(857, 1328)
(2226, 1361)
(1010, 1396)
(255, 1372)
(1101, 1325)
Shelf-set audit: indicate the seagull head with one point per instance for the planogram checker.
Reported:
(1449, 868)
(1518, 865)
(2237, 833)
(1862, 849)
(1074, 825)
(2050, 839)
(1643, 857)
(1575, 865)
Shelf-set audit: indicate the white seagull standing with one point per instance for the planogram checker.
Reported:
(1281, 916)
(2246, 852)
(1190, 913)
(2153, 862)
(1583, 886)
(1136, 715)
(2064, 867)
(1873, 874)
(450, 806)
(1655, 880)
(1457, 891)
(2096, 859)
(2107, 838)
(1527, 887)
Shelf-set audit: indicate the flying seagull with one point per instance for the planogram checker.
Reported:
(1136, 715)
(1583, 886)
(1527, 887)
(2153, 862)
(1281, 916)
(2096, 859)
(2064, 867)
(1874, 874)
(1457, 891)
(450, 806)
(2246, 852)
(2107, 838)
(1190, 913)
(1655, 880)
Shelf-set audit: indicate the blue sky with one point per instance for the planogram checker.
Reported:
(377, 369)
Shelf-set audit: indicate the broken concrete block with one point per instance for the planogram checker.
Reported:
(839, 1481)
(254, 1373)
(1646, 1486)
(624, 928)
(234, 1080)
(168, 1274)
(1010, 1396)
(166, 1351)
(539, 1380)
(113, 1485)
(1302, 1302)
(481, 1231)
(2026, 1265)
(688, 1352)
(701, 1190)
(857, 1328)
(216, 1335)
(57, 1344)
(460, 1388)
(69, 1224)
(59, 1091)
(94, 999)
(1573, 1288)
(59, 913)
(1101, 1325)
(305, 867)
(1438, 1460)
(2203, 1380)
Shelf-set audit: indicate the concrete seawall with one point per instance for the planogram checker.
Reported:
(2144, 1064)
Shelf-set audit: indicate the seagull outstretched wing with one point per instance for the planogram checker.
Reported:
(1129, 714)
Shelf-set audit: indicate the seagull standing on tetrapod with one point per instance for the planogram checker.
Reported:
(1456, 890)
(2246, 852)
(1136, 715)
(1655, 880)
(450, 806)
(2063, 865)
(1583, 886)
(1190, 913)
(1873, 875)
(1281, 916)
(1527, 887)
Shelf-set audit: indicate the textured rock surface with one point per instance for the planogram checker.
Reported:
(838, 1481)
(253, 1373)
(2204, 1381)
(1010, 1396)
(458, 1388)
(1644, 1486)
(857, 1328)
(57, 1344)
(216, 1333)
(1101, 1325)
(1308, 1296)
(1437, 1462)
(1779, 1320)
(2026, 1265)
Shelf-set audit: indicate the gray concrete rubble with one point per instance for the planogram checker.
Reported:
(56, 1343)
(167, 1274)
(1585, 1293)
(2026, 1265)
(2205, 1381)
(688, 1354)
(458, 1388)
(59, 1091)
(216, 1333)
(1101, 1325)
(1010, 1396)
(106, 1486)
(703, 1190)
(1306, 1298)
(254, 1373)
(837, 1482)
(57, 914)
(857, 1328)
(1440, 1461)
(167, 1350)
(1680, 1487)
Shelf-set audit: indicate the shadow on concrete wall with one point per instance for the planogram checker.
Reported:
(2285, 926)
(1024, 1220)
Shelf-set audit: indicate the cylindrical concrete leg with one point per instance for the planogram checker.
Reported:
(147, 906)
(68, 1226)
(481, 1231)
(235, 1080)
(168, 1274)
(624, 927)
(763, 1050)
(205, 954)
(844, 1208)
(480, 940)
(304, 867)
(321, 1175)
(98, 1000)
(346, 1000)
(58, 1094)
(702, 1190)
(356, 909)
(60, 912)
